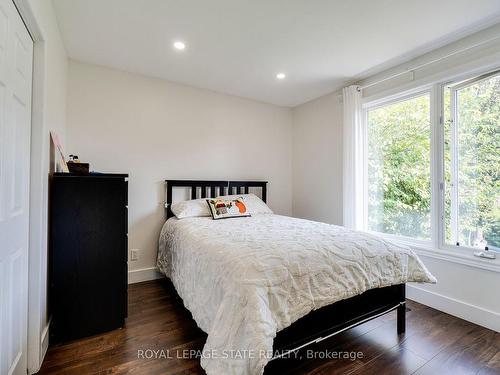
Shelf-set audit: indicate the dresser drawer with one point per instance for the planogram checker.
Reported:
(89, 229)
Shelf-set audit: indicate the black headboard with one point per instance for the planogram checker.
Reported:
(212, 189)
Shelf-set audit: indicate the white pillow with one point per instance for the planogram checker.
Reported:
(192, 208)
(199, 207)
(255, 205)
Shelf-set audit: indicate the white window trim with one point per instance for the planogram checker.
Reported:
(454, 254)
(456, 85)
(369, 106)
(454, 166)
(436, 247)
(437, 167)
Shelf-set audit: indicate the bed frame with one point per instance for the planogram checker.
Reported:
(325, 322)
(212, 189)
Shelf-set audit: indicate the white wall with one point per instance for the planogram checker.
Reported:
(462, 290)
(317, 159)
(465, 288)
(474, 53)
(154, 130)
(49, 113)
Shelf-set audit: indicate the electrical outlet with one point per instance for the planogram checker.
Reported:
(134, 254)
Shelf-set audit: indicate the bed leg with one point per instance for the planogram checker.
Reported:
(401, 318)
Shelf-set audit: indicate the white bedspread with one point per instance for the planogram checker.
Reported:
(245, 279)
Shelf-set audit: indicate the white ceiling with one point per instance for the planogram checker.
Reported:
(238, 46)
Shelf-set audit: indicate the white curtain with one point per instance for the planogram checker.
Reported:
(353, 168)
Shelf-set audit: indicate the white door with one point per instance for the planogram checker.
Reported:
(16, 57)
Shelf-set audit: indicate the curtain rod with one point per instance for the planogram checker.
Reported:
(395, 75)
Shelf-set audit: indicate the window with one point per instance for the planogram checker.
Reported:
(399, 190)
(472, 162)
(432, 168)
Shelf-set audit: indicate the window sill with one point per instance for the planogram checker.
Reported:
(460, 256)
(451, 254)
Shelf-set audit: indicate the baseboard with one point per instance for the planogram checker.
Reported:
(44, 346)
(44, 341)
(143, 274)
(452, 306)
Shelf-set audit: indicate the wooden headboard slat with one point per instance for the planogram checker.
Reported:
(239, 186)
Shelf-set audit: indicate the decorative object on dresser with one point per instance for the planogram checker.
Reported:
(57, 158)
(88, 254)
(76, 167)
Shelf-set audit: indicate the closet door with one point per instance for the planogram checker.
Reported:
(16, 57)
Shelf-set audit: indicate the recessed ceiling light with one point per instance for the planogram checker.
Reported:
(281, 75)
(179, 45)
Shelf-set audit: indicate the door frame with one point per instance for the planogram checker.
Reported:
(37, 251)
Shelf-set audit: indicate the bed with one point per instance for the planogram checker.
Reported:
(265, 286)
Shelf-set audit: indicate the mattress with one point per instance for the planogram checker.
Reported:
(245, 279)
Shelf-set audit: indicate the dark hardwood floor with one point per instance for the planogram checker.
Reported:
(434, 343)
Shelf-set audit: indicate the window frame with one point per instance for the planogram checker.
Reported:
(455, 84)
(436, 247)
(373, 105)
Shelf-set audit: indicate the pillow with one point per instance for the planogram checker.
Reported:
(192, 208)
(254, 204)
(226, 208)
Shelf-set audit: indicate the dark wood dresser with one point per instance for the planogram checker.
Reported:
(88, 254)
